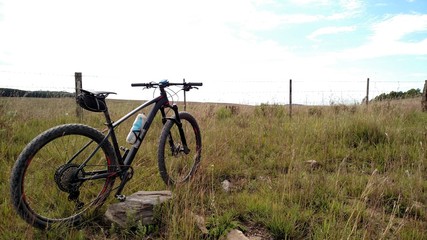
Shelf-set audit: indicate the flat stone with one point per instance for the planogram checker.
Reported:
(137, 207)
(236, 235)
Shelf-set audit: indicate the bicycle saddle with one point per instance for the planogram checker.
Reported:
(98, 94)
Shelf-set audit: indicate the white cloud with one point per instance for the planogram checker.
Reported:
(329, 31)
(205, 41)
(351, 5)
(346, 5)
(300, 18)
(311, 2)
(388, 35)
(394, 28)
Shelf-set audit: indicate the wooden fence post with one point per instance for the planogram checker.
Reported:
(367, 92)
(424, 98)
(78, 80)
(290, 98)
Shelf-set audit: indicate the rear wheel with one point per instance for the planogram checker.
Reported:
(51, 182)
(177, 163)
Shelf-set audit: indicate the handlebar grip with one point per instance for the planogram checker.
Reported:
(141, 84)
(198, 84)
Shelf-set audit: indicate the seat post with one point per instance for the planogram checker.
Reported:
(110, 126)
(107, 116)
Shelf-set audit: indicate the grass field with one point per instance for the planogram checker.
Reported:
(370, 181)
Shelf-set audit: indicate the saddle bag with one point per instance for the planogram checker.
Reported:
(92, 102)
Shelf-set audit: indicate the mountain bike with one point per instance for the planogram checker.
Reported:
(64, 174)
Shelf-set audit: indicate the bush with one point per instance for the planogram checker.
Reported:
(399, 95)
(364, 133)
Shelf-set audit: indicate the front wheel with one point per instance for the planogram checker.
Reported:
(177, 161)
(61, 175)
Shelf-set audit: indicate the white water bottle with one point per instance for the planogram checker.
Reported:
(136, 128)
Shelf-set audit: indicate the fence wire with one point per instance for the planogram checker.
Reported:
(276, 91)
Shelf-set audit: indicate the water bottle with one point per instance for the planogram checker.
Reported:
(136, 128)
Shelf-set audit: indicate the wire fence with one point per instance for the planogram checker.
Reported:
(253, 92)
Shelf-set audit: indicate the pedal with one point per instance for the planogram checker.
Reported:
(121, 197)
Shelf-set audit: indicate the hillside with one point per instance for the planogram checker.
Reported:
(9, 92)
(330, 172)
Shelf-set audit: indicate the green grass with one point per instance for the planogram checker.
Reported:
(371, 183)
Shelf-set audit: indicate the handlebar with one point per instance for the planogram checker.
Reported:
(165, 83)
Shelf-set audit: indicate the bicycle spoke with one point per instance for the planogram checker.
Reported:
(55, 189)
(178, 162)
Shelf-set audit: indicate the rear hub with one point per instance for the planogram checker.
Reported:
(66, 177)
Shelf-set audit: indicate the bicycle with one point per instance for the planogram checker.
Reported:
(64, 174)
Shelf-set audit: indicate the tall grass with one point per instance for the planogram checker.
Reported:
(371, 182)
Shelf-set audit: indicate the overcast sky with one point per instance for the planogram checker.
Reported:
(244, 51)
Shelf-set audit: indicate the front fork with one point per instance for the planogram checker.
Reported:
(176, 149)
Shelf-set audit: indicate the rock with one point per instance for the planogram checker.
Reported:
(200, 222)
(236, 235)
(137, 207)
(313, 164)
(226, 185)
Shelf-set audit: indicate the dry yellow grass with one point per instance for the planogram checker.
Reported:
(371, 182)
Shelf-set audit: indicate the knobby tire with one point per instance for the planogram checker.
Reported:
(175, 166)
(44, 191)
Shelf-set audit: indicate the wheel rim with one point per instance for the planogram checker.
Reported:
(179, 165)
(43, 195)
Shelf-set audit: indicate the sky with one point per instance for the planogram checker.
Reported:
(244, 51)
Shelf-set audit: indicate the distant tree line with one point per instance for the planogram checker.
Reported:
(412, 93)
(8, 92)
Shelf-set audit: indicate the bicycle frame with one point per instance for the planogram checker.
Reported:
(72, 155)
(159, 103)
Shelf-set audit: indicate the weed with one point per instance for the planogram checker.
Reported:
(224, 113)
(262, 152)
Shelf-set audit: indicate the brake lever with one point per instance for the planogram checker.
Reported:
(151, 85)
(188, 88)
